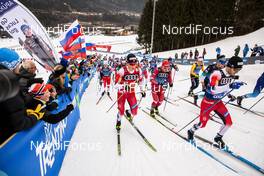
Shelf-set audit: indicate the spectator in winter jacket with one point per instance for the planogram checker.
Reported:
(57, 79)
(176, 56)
(196, 54)
(191, 54)
(218, 52)
(254, 51)
(13, 110)
(204, 52)
(237, 50)
(52, 104)
(27, 73)
(41, 96)
(245, 50)
(260, 51)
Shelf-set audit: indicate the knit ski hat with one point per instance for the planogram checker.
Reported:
(59, 70)
(37, 89)
(235, 62)
(24, 27)
(9, 58)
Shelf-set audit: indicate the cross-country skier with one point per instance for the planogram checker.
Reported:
(219, 65)
(194, 74)
(220, 83)
(144, 69)
(127, 79)
(160, 79)
(152, 64)
(258, 87)
(105, 76)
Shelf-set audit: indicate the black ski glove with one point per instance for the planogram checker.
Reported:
(231, 97)
(70, 107)
(143, 94)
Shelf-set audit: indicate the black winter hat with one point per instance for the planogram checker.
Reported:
(235, 62)
(130, 56)
(59, 70)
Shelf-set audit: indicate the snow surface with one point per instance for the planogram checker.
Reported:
(96, 133)
(93, 149)
(227, 46)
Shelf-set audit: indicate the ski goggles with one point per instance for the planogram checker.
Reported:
(132, 61)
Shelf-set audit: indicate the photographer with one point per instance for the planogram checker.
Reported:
(13, 111)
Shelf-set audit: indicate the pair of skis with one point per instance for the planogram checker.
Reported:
(226, 150)
(246, 109)
(212, 117)
(140, 134)
(186, 140)
(99, 100)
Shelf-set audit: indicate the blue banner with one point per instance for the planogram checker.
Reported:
(41, 150)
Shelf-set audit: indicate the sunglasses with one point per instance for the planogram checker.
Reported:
(132, 62)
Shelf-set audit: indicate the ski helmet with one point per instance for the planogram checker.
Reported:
(235, 62)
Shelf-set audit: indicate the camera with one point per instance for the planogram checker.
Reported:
(9, 85)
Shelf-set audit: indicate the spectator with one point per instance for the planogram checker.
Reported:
(176, 55)
(182, 55)
(260, 51)
(237, 50)
(13, 111)
(254, 51)
(218, 52)
(245, 50)
(196, 54)
(27, 73)
(41, 96)
(57, 79)
(204, 52)
(191, 54)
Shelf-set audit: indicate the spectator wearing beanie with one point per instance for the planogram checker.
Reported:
(57, 79)
(13, 110)
(41, 95)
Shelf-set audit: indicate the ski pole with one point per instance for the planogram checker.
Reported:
(184, 79)
(166, 99)
(187, 96)
(173, 80)
(253, 105)
(205, 111)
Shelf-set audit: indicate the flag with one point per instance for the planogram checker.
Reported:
(76, 45)
(73, 32)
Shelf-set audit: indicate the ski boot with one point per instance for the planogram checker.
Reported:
(152, 113)
(156, 110)
(129, 116)
(218, 139)
(118, 125)
(108, 93)
(103, 93)
(195, 98)
(239, 100)
(190, 93)
(190, 134)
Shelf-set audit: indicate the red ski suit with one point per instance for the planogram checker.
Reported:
(159, 83)
(126, 91)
